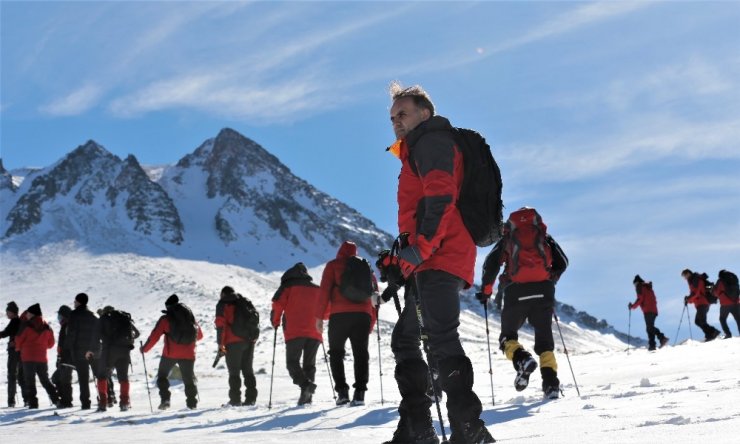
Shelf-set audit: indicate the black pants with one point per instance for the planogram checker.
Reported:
(652, 330)
(239, 357)
(63, 383)
(40, 369)
(188, 378)
(439, 294)
(356, 328)
(701, 321)
(83, 367)
(294, 349)
(538, 312)
(724, 312)
(15, 376)
(114, 358)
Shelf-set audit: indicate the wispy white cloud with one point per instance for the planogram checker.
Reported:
(74, 103)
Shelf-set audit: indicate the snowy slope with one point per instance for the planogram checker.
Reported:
(679, 394)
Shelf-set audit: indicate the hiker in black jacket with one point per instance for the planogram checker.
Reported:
(62, 377)
(117, 334)
(15, 369)
(83, 344)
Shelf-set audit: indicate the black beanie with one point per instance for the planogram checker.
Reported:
(81, 298)
(227, 290)
(637, 279)
(172, 300)
(35, 310)
(64, 311)
(12, 307)
(686, 271)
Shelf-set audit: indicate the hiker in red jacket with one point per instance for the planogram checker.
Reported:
(293, 306)
(698, 296)
(728, 300)
(181, 331)
(239, 351)
(33, 342)
(347, 320)
(649, 304)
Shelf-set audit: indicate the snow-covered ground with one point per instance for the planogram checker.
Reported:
(685, 393)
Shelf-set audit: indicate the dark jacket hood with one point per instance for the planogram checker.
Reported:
(297, 272)
(434, 123)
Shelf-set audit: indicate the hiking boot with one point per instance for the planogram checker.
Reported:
(192, 404)
(664, 341)
(250, 397)
(422, 433)
(233, 404)
(101, 408)
(550, 383)
(111, 400)
(307, 390)
(712, 335)
(473, 432)
(358, 398)
(727, 337)
(164, 405)
(125, 406)
(651, 348)
(524, 364)
(342, 396)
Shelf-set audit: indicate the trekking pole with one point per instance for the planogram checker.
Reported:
(380, 367)
(688, 321)
(488, 341)
(146, 377)
(629, 329)
(328, 369)
(679, 326)
(425, 347)
(272, 372)
(565, 349)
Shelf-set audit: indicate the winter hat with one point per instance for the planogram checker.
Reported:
(35, 310)
(637, 279)
(12, 307)
(172, 300)
(686, 272)
(64, 311)
(81, 298)
(227, 290)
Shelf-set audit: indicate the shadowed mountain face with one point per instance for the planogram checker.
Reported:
(229, 201)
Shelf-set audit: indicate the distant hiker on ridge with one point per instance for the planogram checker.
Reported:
(15, 369)
(726, 290)
(534, 262)
(347, 287)
(181, 331)
(648, 303)
(698, 296)
(237, 330)
(293, 306)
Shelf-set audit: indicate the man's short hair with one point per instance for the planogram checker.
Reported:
(416, 92)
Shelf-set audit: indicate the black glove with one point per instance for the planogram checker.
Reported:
(685, 300)
(482, 297)
(629, 305)
(390, 291)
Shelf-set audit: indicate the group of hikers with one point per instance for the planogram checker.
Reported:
(702, 293)
(449, 203)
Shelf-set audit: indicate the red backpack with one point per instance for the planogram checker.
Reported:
(529, 256)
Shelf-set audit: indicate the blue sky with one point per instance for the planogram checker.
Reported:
(619, 121)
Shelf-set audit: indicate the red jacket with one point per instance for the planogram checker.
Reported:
(698, 288)
(295, 302)
(171, 348)
(225, 310)
(35, 340)
(720, 292)
(645, 298)
(331, 300)
(427, 199)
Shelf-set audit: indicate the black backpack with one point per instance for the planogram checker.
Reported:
(246, 323)
(708, 287)
(356, 283)
(119, 329)
(183, 329)
(731, 284)
(479, 201)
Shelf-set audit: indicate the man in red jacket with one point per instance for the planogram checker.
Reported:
(239, 351)
(649, 304)
(181, 331)
(698, 296)
(728, 303)
(294, 302)
(437, 263)
(347, 320)
(33, 342)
